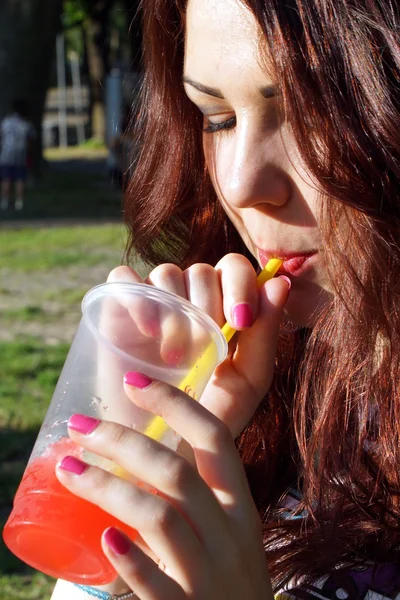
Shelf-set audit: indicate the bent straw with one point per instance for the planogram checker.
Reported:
(157, 427)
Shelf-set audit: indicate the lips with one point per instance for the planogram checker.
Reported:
(293, 262)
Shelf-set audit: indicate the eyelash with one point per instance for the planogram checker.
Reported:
(224, 125)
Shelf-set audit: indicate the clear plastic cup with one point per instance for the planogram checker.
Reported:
(124, 327)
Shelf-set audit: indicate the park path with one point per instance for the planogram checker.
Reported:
(46, 303)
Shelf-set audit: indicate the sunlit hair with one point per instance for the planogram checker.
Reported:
(331, 424)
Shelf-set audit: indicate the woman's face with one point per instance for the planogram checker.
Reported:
(253, 160)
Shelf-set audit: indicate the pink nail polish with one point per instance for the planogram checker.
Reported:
(242, 315)
(138, 380)
(173, 357)
(286, 279)
(153, 328)
(73, 465)
(116, 541)
(82, 424)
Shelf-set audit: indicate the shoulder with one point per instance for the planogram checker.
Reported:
(6, 121)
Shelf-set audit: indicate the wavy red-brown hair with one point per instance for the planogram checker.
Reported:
(331, 423)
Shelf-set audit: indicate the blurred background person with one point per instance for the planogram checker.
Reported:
(16, 135)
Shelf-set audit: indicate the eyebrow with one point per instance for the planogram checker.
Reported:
(267, 91)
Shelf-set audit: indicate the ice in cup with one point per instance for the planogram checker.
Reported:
(124, 327)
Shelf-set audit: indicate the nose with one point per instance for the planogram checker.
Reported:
(256, 171)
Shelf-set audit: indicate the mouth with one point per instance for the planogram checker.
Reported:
(293, 262)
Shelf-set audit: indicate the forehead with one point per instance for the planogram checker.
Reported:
(220, 35)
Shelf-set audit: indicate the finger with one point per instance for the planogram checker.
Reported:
(126, 335)
(162, 527)
(168, 277)
(256, 348)
(203, 287)
(239, 286)
(138, 571)
(216, 457)
(175, 327)
(144, 314)
(124, 274)
(161, 468)
(249, 373)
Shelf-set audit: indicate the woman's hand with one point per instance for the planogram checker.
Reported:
(229, 292)
(201, 526)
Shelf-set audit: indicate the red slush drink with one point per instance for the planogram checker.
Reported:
(54, 531)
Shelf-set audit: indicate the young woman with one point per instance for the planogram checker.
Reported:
(268, 128)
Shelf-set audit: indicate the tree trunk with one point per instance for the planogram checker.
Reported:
(28, 29)
(135, 33)
(98, 53)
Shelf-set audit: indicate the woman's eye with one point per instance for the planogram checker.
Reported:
(223, 125)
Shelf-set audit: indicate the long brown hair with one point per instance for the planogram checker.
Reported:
(332, 420)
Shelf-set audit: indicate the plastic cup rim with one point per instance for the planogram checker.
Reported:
(169, 298)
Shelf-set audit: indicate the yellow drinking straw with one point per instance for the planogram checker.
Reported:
(157, 427)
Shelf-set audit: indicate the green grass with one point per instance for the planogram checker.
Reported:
(93, 143)
(26, 313)
(28, 373)
(28, 250)
(25, 587)
(69, 296)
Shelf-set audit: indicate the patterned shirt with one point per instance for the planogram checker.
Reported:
(379, 582)
(14, 135)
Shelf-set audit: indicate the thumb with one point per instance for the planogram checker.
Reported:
(255, 353)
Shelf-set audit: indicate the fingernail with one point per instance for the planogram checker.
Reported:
(153, 328)
(286, 279)
(116, 541)
(82, 424)
(242, 315)
(138, 380)
(73, 465)
(173, 357)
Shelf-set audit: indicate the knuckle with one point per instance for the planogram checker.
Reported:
(237, 559)
(120, 438)
(163, 399)
(219, 434)
(178, 472)
(140, 571)
(166, 271)
(233, 259)
(201, 271)
(123, 273)
(119, 491)
(101, 481)
(165, 518)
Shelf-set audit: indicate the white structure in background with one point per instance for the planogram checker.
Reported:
(62, 94)
(113, 104)
(113, 111)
